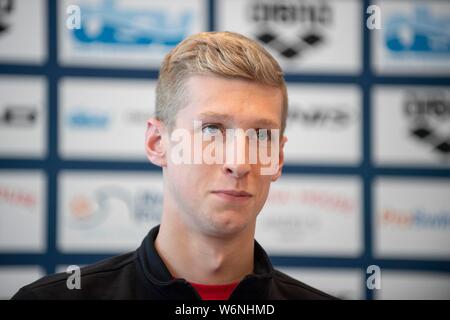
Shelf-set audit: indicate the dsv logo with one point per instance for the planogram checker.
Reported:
(429, 115)
(141, 206)
(305, 20)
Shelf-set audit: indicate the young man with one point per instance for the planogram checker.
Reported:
(221, 88)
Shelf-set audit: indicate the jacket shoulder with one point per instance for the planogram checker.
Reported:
(287, 288)
(96, 281)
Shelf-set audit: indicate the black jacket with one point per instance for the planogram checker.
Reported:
(142, 275)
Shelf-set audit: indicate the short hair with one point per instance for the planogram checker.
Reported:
(224, 54)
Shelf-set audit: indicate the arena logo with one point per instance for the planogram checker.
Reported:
(109, 25)
(329, 117)
(90, 211)
(428, 112)
(6, 8)
(423, 34)
(329, 201)
(417, 218)
(308, 21)
(18, 116)
(17, 197)
(81, 118)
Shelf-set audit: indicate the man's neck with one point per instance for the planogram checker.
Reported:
(204, 259)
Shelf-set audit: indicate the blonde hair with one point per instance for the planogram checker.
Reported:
(225, 54)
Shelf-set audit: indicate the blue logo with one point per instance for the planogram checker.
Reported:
(421, 33)
(88, 120)
(108, 25)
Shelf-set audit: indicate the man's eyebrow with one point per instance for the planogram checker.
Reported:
(258, 122)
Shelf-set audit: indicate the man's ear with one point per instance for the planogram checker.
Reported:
(281, 159)
(154, 142)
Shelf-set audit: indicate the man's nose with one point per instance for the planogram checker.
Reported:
(236, 170)
(236, 157)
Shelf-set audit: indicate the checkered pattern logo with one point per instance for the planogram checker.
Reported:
(6, 6)
(291, 49)
(430, 119)
(426, 134)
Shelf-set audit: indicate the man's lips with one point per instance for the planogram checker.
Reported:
(232, 194)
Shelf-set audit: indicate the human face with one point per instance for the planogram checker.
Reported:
(222, 199)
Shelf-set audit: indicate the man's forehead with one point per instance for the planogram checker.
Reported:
(253, 120)
(214, 98)
(197, 82)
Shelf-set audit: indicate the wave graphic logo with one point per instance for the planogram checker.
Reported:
(108, 25)
(421, 33)
(140, 206)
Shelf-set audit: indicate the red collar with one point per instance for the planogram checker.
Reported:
(214, 292)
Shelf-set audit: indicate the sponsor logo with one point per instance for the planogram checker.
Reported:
(109, 25)
(429, 115)
(291, 227)
(416, 219)
(91, 211)
(306, 20)
(6, 7)
(322, 116)
(83, 119)
(422, 33)
(138, 117)
(304, 222)
(18, 116)
(17, 197)
(328, 201)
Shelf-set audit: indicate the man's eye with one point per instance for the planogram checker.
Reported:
(263, 134)
(211, 129)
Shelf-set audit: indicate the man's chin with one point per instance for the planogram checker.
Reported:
(229, 223)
